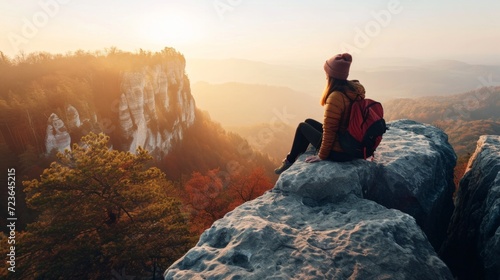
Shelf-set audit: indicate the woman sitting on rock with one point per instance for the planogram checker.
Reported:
(336, 100)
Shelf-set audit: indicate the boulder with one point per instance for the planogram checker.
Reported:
(276, 236)
(316, 222)
(412, 171)
(330, 182)
(414, 174)
(472, 249)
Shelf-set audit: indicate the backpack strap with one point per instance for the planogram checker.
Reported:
(345, 113)
(351, 101)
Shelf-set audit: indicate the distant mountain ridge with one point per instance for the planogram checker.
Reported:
(464, 117)
(384, 78)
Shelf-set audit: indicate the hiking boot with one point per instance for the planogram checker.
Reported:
(284, 166)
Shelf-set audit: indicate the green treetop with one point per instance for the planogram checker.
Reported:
(102, 211)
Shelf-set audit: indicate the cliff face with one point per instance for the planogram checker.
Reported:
(472, 249)
(317, 222)
(155, 106)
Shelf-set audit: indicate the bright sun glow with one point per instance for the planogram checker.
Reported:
(173, 29)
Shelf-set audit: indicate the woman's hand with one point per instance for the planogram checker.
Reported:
(311, 159)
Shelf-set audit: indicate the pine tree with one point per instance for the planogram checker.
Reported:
(102, 211)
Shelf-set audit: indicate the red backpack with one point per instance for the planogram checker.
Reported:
(365, 129)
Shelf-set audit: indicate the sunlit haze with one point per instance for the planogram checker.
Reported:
(282, 31)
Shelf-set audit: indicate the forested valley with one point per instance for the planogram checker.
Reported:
(97, 208)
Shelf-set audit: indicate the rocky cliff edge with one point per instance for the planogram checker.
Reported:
(472, 249)
(357, 220)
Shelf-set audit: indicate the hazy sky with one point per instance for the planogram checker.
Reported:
(265, 30)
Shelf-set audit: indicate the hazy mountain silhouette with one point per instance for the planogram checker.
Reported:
(384, 78)
(464, 117)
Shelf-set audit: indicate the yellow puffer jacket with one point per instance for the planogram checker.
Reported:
(337, 111)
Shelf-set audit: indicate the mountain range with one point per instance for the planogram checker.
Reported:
(464, 117)
(384, 78)
(241, 108)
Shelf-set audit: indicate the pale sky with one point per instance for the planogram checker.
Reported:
(281, 30)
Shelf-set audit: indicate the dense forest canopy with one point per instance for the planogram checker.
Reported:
(100, 209)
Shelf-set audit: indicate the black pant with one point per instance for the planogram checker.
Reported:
(311, 132)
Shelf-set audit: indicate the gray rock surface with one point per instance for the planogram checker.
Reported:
(412, 172)
(472, 249)
(415, 165)
(278, 237)
(73, 117)
(57, 136)
(316, 224)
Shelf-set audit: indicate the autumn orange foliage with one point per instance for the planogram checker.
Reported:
(210, 196)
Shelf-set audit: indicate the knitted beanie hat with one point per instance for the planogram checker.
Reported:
(338, 66)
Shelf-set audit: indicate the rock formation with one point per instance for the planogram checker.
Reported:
(73, 117)
(472, 250)
(316, 223)
(155, 106)
(154, 109)
(57, 136)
